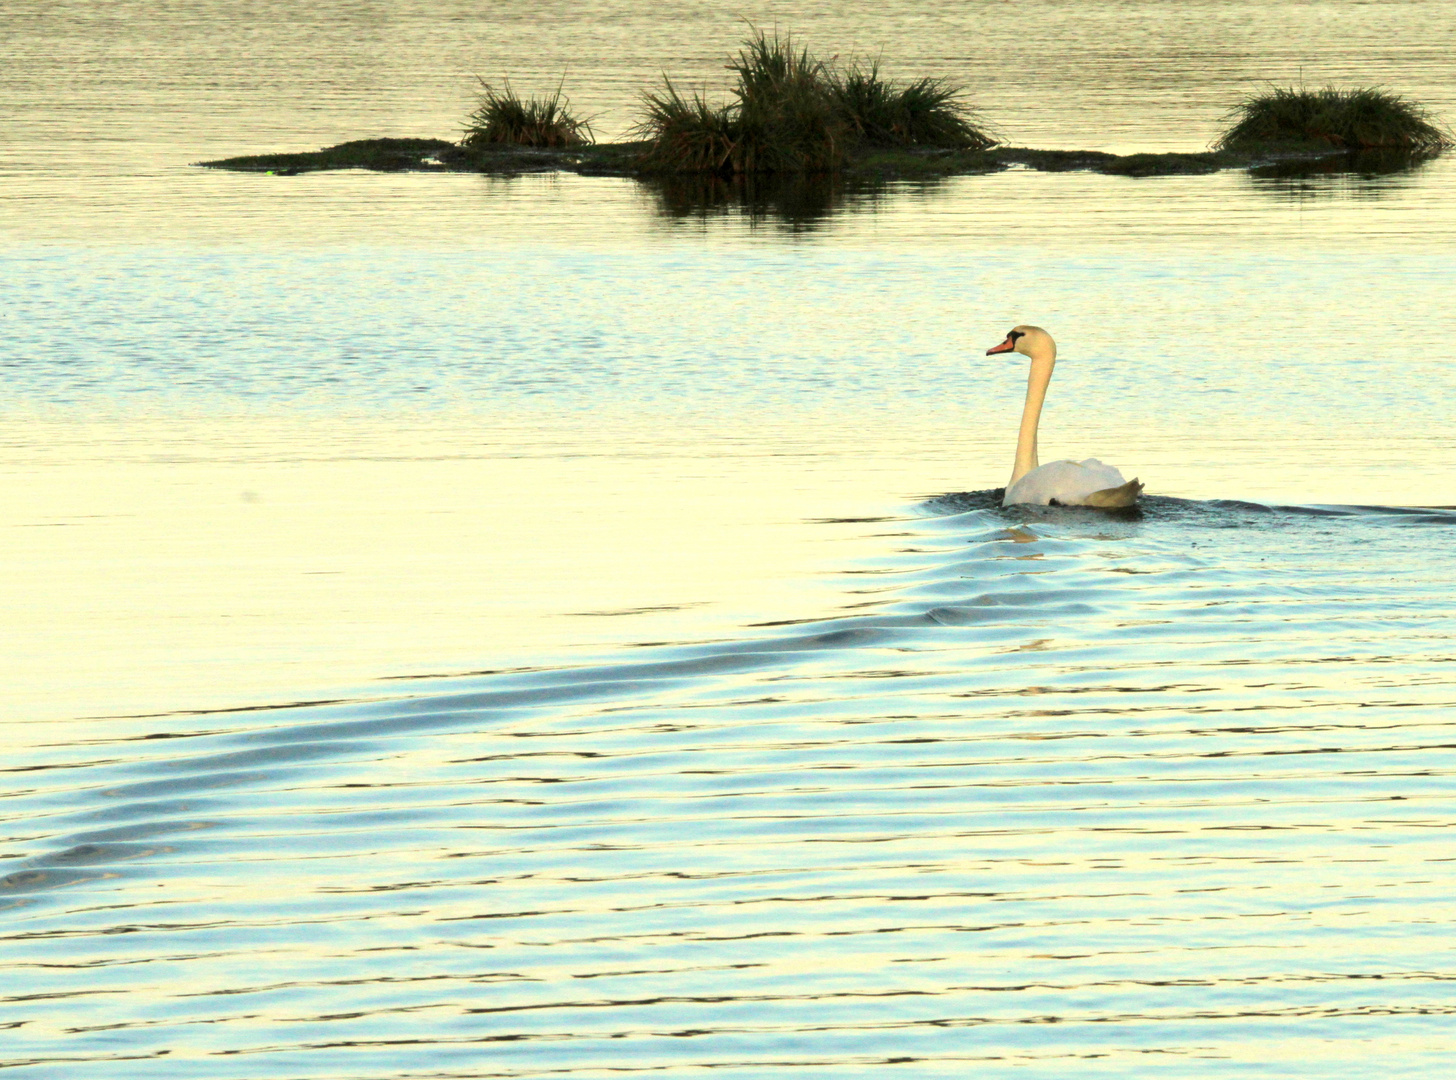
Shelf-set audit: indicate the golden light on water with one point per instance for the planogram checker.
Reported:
(206, 563)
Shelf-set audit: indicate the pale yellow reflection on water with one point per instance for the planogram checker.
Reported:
(174, 563)
(203, 565)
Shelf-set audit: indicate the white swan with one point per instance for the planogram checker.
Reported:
(1060, 483)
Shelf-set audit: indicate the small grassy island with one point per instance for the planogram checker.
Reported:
(790, 115)
(1353, 120)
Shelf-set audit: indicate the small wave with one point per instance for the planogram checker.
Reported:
(1175, 785)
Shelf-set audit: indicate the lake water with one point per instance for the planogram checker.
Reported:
(470, 627)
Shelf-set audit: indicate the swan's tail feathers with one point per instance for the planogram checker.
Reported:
(1114, 497)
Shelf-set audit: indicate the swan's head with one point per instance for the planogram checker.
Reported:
(1030, 341)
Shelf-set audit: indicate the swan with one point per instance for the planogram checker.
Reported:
(1059, 483)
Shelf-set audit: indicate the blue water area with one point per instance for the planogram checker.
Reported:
(1005, 792)
(768, 331)
(1165, 794)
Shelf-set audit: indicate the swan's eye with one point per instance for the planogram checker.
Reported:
(1014, 335)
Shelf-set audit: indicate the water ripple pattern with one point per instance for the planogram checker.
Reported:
(1058, 793)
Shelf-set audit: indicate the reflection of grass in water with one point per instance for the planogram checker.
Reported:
(1363, 163)
(504, 117)
(1364, 118)
(797, 201)
(1363, 174)
(792, 113)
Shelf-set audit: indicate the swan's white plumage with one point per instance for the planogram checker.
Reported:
(1069, 483)
(1065, 482)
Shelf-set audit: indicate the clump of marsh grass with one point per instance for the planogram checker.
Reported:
(502, 117)
(1361, 119)
(787, 116)
(789, 112)
(782, 117)
(687, 133)
(925, 112)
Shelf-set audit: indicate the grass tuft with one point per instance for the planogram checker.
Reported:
(1360, 119)
(926, 112)
(503, 118)
(789, 112)
(787, 118)
(687, 134)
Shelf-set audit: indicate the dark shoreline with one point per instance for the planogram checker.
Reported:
(621, 159)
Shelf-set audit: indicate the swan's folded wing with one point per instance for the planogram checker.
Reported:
(1113, 497)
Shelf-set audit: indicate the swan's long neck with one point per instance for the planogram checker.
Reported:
(1042, 362)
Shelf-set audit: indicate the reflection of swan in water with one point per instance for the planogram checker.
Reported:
(1060, 483)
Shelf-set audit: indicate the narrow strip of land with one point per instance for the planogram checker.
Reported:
(624, 159)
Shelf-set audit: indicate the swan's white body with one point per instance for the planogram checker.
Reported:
(1067, 483)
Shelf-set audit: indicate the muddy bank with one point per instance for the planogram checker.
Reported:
(622, 159)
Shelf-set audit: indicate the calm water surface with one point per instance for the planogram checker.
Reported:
(510, 628)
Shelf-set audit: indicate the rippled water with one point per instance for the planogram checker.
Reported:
(1063, 792)
(462, 627)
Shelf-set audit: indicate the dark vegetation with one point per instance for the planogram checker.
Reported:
(789, 112)
(1361, 119)
(925, 112)
(868, 163)
(437, 155)
(794, 135)
(379, 155)
(798, 202)
(502, 117)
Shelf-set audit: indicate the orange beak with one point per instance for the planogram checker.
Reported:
(1006, 346)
